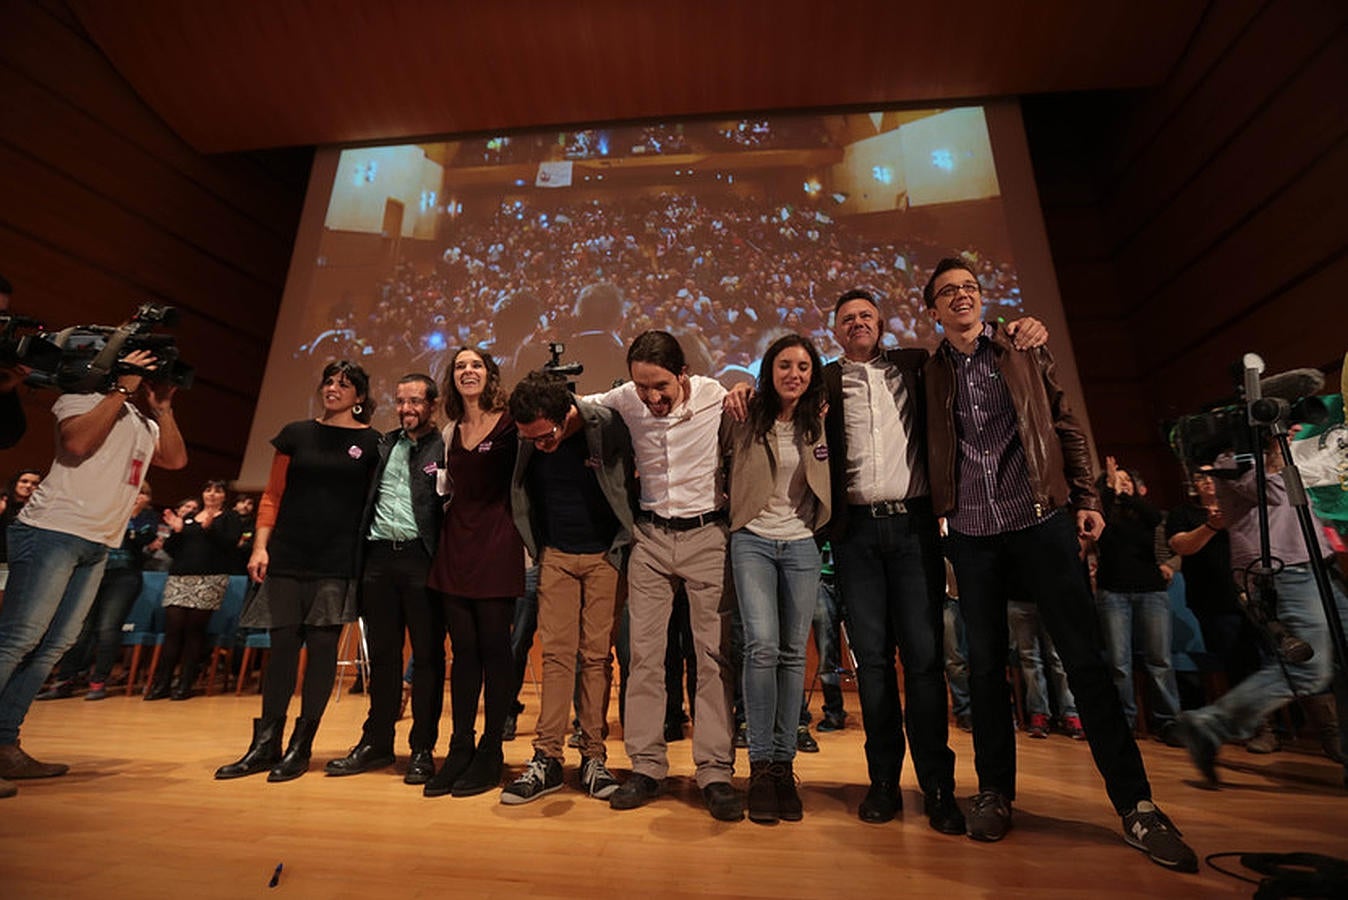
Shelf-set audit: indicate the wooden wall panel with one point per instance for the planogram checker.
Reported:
(59, 57)
(1258, 260)
(1222, 192)
(1300, 124)
(1283, 38)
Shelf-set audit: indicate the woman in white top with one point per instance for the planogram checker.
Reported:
(779, 501)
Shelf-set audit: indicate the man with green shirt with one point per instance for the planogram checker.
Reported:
(402, 529)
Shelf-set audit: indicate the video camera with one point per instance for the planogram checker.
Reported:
(555, 366)
(86, 358)
(1278, 400)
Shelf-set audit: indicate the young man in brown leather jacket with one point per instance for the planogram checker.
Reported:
(1011, 471)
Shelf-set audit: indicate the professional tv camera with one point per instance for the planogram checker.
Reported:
(87, 358)
(1254, 422)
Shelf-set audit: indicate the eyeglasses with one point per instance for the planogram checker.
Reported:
(542, 439)
(950, 291)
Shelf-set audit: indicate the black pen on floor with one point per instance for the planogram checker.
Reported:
(276, 876)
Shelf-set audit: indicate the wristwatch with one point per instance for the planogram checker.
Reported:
(121, 389)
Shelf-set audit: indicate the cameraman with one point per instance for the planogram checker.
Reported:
(60, 542)
(12, 421)
(1297, 607)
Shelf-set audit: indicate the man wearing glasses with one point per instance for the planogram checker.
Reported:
(572, 497)
(402, 529)
(1011, 470)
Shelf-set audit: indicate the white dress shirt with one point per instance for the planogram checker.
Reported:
(678, 456)
(880, 417)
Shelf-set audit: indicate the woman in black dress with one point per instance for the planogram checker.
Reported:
(202, 545)
(479, 567)
(306, 546)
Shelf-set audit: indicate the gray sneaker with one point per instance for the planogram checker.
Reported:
(596, 779)
(542, 776)
(1151, 831)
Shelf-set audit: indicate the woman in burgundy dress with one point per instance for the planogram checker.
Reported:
(479, 568)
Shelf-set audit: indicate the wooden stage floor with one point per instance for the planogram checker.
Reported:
(139, 815)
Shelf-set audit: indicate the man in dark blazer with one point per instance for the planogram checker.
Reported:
(401, 525)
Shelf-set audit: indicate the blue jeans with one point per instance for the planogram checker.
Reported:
(100, 641)
(892, 580)
(1038, 659)
(53, 578)
(828, 646)
(1141, 617)
(777, 583)
(1239, 711)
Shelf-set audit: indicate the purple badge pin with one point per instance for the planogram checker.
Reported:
(821, 452)
(354, 452)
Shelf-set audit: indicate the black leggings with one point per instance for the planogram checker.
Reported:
(278, 682)
(184, 637)
(479, 634)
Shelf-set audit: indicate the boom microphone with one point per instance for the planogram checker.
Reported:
(1292, 385)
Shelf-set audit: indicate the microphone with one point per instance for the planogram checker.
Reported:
(1292, 385)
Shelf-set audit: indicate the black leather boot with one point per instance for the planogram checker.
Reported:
(483, 773)
(296, 760)
(456, 763)
(262, 753)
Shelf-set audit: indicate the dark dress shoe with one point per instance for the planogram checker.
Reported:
(420, 767)
(637, 790)
(180, 693)
(722, 802)
(510, 727)
(483, 774)
(362, 758)
(456, 763)
(943, 813)
(673, 732)
(882, 803)
(158, 691)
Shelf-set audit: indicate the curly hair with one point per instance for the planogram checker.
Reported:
(493, 397)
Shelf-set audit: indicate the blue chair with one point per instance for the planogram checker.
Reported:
(224, 625)
(253, 640)
(144, 626)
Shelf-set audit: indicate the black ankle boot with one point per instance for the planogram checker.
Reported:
(456, 763)
(262, 753)
(483, 774)
(296, 760)
(159, 690)
(789, 808)
(762, 798)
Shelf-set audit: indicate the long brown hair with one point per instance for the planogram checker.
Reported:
(494, 397)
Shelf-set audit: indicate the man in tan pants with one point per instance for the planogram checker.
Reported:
(681, 538)
(571, 495)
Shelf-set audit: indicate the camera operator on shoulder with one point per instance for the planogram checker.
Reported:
(1294, 614)
(106, 441)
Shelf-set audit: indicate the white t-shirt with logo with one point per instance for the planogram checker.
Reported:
(92, 498)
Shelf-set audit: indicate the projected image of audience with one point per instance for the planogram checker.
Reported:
(727, 233)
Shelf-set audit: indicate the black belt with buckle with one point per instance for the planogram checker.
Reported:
(682, 523)
(397, 546)
(885, 509)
